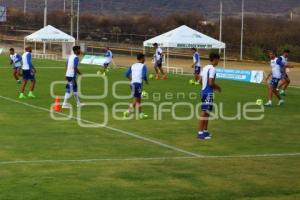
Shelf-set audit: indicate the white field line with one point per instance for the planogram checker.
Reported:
(111, 128)
(16, 162)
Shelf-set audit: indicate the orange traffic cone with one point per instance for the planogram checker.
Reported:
(57, 106)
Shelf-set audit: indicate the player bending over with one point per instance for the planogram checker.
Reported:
(71, 75)
(136, 74)
(28, 72)
(158, 60)
(208, 76)
(275, 76)
(285, 80)
(16, 62)
(196, 65)
(109, 56)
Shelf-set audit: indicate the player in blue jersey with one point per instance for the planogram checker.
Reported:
(28, 72)
(108, 56)
(196, 66)
(275, 75)
(208, 76)
(137, 73)
(158, 61)
(16, 62)
(71, 75)
(285, 80)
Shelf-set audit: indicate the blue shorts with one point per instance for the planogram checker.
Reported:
(274, 82)
(197, 70)
(207, 100)
(158, 63)
(136, 90)
(28, 75)
(71, 85)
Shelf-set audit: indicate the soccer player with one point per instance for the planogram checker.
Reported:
(109, 56)
(158, 60)
(28, 72)
(137, 73)
(208, 76)
(276, 75)
(71, 75)
(285, 80)
(16, 62)
(196, 65)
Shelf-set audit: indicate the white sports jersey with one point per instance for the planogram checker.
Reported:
(208, 72)
(27, 61)
(138, 72)
(284, 60)
(196, 59)
(108, 55)
(16, 59)
(276, 69)
(73, 62)
(158, 54)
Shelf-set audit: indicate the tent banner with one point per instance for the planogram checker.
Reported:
(94, 60)
(198, 46)
(250, 76)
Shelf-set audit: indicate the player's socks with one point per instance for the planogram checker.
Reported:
(22, 96)
(31, 95)
(65, 103)
(281, 102)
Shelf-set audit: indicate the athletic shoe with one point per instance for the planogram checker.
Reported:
(282, 93)
(22, 96)
(143, 116)
(281, 102)
(269, 104)
(31, 95)
(19, 81)
(204, 136)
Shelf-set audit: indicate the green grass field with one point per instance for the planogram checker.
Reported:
(42, 158)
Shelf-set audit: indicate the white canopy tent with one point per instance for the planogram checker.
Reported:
(185, 37)
(50, 34)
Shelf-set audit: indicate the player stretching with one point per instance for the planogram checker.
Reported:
(276, 65)
(16, 62)
(196, 65)
(136, 74)
(285, 81)
(71, 75)
(28, 72)
(158, 60)
(207, 95)
(109, 56)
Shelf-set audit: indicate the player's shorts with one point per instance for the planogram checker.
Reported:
(136, 90)
(197, 70)
(158, 63)
(28, 75)
(207, 100)
(17, 66)
(71, 85)
(274, 82)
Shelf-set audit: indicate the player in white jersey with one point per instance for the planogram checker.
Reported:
(196, 65)
(71, 75)
(16, 62)
(208, 77)
(285, 80)
(28, 72)
(108, 56)
(275, 75)
(158, 61)
(137, 73)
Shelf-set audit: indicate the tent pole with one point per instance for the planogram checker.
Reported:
(224, 65)
(24, 44)
(168, 54)
(35, 47)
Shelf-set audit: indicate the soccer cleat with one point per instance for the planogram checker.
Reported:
(204, 136)
(143, 116)
(22, 96)
(269, 104)
(282, 93)
(281, 102)
(125, 114)
(19, 81)
(31, 95)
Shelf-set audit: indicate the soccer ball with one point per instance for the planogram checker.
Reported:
(151, 76)
(144, 94)
(259, 102)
